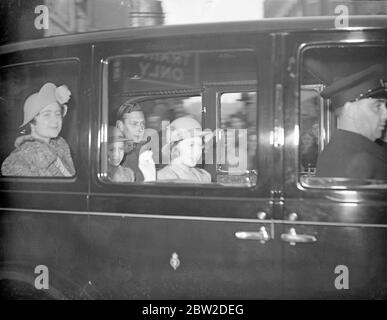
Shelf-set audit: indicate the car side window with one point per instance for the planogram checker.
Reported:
(38, 103)
(340, 139)
(312, 129)
(199, 111)
(238, 124)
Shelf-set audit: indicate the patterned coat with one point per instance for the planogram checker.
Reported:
(36, 158)
(183, 173)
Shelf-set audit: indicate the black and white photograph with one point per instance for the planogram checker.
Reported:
(193, 155)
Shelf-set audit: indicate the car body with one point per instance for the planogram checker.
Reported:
(278, 238)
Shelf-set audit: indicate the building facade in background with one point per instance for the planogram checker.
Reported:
(17, 20)
(297, 8)
(72, 16)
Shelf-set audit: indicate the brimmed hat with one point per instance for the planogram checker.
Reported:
(184, 128)
(367, 83)
(115, 135)
(49, 93)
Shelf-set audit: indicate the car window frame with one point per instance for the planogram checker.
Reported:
(369, 185)
(102, 54)
(46, 180)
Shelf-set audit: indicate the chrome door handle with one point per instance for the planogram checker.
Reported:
(292, 237)
(262, 235)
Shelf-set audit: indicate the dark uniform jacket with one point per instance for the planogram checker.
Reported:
(351, 155)
(381, 143)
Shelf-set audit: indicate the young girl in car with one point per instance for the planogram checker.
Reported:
(42, 152)
(185, 149)
(116, 152)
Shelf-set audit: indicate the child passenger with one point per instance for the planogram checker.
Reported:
(116, 147)
(185, 147)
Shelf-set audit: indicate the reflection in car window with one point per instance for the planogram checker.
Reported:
(166, 87)
(343, 114)
(238, 119)
(310, 129)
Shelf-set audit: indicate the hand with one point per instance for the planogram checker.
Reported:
(147, 165)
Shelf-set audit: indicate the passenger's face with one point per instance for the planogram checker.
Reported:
(48, 122)
(237, 123)
(115, 153)
(307, 140)
(371, 117)
(134, 126)
(315, 130)
(190, 151)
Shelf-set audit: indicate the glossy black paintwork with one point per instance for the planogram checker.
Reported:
(113, 241)
(350, 225)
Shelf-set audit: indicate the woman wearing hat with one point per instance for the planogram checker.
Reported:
(116, 152)
(42, 152)
(185, 149)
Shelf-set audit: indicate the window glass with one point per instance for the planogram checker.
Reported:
(39, 134)
(239, 130)
(342, 143)
(312, 131)
(182, 125)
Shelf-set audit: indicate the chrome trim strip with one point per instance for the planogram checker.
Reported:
(136, 215)
(195, 218)
(71, 193)
(332, 224)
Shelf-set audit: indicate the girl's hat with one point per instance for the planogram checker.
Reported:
(184, 128)
(48, 94)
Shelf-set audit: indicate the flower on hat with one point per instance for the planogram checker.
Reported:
(62, 94)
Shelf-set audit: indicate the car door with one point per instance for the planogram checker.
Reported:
(193, 241)
(334, 232)
(43, 219)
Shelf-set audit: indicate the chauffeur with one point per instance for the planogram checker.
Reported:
(359, 101)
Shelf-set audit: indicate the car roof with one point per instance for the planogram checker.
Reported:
(268, 25)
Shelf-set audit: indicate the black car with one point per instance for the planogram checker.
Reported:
(264, 228)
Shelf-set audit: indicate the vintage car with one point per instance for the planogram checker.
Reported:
(265, 227)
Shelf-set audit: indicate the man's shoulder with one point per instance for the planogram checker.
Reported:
(366, 165)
